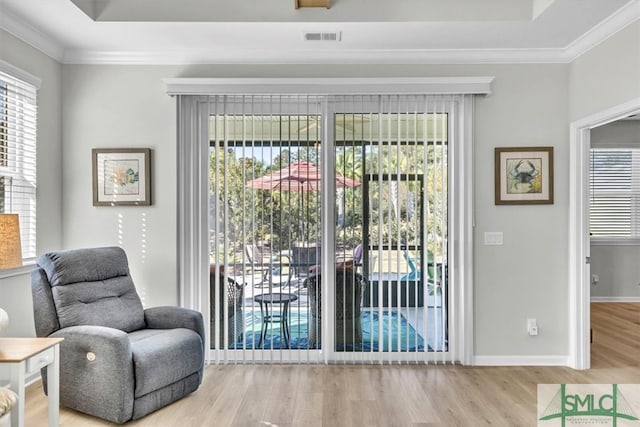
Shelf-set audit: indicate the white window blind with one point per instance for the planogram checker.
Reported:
(18, 113)
(389, 191)
(615, 193)
(203, 242)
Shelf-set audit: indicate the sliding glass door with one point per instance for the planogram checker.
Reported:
(264, 225)
(347, 265)
(394, 226)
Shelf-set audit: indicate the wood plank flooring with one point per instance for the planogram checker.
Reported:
(616, 334)
(364, 395)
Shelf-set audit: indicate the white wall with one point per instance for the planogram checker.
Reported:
(15, 292)
(618, 267)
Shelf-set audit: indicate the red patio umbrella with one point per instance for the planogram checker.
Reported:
(298, 176)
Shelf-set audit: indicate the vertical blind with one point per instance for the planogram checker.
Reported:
(615, 193)
(264, 205)
(401, 143)
(390, 156)
(18, 113)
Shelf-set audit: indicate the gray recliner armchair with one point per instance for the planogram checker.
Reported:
(118, 361)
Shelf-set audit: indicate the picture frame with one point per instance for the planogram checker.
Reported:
(523, 175)
(121, 176)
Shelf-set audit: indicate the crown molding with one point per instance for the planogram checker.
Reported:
(48, 45)
(618, 21)
(30, 35)
(371, 56)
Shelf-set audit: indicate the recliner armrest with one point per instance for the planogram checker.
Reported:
(169, 317)
(99, 340)
(96, 363)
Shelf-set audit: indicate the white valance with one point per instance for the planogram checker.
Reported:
(331, 86)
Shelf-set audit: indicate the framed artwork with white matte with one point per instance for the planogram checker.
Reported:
(523, 175)
(121, 176)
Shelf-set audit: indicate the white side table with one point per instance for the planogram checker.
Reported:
(26, 356)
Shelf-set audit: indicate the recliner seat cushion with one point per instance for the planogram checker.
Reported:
(164, 356)
(93, 287)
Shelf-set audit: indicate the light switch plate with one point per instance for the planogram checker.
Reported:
(493, 238)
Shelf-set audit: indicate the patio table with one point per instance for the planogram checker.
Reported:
(266, 300)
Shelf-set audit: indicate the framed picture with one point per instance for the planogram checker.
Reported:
(121, 176)
(523, 175)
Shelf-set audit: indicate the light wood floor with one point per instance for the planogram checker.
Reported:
(616, 335)
(334, 396)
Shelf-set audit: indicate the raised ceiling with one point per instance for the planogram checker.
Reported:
(260, 31)
(284, 10)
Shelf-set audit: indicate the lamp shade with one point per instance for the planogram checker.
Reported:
(10, 247)
(4, 321)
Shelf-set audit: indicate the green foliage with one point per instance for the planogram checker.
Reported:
(282, 218)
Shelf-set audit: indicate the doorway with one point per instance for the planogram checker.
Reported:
(353, 190)
(614, 215)
(579, 239)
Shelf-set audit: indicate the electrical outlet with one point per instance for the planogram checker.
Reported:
(595, 279)
(532, 327)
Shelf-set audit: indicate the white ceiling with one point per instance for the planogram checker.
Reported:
(271, 31)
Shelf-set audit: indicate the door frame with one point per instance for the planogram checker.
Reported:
(579, 241)
(192, 200)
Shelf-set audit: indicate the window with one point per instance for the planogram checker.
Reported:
(615, 194)
(18, 110)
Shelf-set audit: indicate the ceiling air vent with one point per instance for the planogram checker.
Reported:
(322, 37)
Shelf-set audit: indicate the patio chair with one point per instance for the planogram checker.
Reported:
(434, 273)
(232, 322)
(305, 259)
(358, 259)
(274, 269)
(350, 286)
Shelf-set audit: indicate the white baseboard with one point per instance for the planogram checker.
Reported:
(615, 299)
(521, 360)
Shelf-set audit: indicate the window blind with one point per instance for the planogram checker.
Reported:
(18, 114)
(406, 149)
(615, 193)
(389, 158)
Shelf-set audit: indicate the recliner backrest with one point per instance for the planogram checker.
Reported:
(93, 287)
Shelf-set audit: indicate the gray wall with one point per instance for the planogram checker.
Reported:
(111, 106)
(106, 107)
(618, 266)
(125, 106)
(607, 75)
(15, 292)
